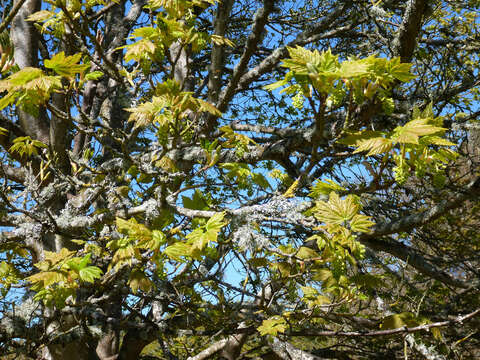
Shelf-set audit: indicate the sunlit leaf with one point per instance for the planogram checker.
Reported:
(411, 131)
(177, 251)
(90, 273)
(67, 66)
(272, 326)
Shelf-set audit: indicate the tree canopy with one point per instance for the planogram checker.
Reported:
(239, 179)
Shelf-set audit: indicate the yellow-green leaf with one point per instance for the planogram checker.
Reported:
(41, 16)
(139, 49)
(48, 278)
(94, 75)
(325, 188)
(272, 326)
(21, 77)
(322, 275)
(399, 320)
(306, 253)
(138, 280)
(220, 40)
(177, 251)
(90, 273)
(361, 223)
(67, 66)
(336, 210)
(400, 71)
(411, 131)
(353, 68)
(374, 146)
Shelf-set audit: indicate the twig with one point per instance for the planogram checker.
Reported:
(12, 14)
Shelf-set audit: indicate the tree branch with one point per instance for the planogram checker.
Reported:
(255, 37)
(217, 57)
(11, 15)
(409, 222)
(25, 43)
(211, 350)
(459, 320)
(303, 38)
(287, 351)
(406, 39)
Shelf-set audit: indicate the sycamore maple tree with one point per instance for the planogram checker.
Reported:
(239, 179)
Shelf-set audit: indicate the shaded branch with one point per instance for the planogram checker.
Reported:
(459, 320)
(406, 223)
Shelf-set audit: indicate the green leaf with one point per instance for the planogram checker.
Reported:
(22, 77)
(216, 222)
(67, 66)
(7, 100)
(320, 240)
(207, 107)
(147, 32)
(78, 263)
(361, 223)
(133, 229)
(139, 50)
(352, 139)
(220, 40)
(197, 202)
(124, 255)
(52, 259)
(47, 278)
(198, 240)
(94, 75)
(278, 83)
(138, 280)
(258, 262)
(306, 253)
(411, 131)
(400, 71)
(202, 236)
(396, 321)
(368, 281)
(272, 326)
(308, 291)
(41, 16)
(177, 251)
(259, 179)
(312, 297)
(336, 210)
(435, 140)
(353, 68)
(437, 333)
(322, 275)
(374, 142)
(158, 238)
(90, 273)
(283, 267)
(374, 146)
(305, 62)
(325, 188)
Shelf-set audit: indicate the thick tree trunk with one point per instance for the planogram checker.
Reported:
(25, 41)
